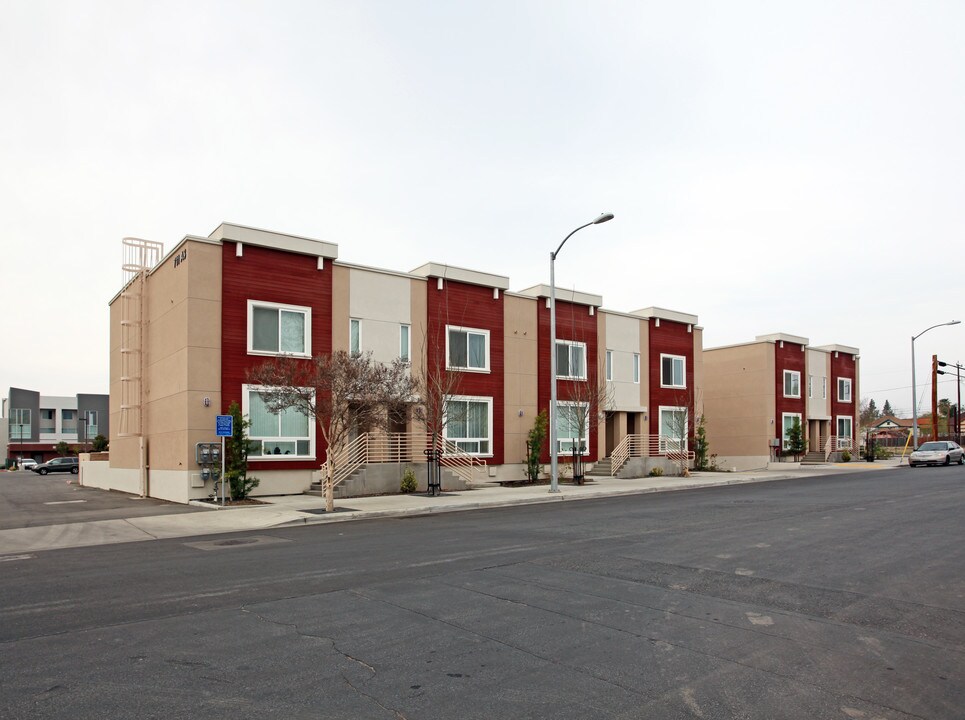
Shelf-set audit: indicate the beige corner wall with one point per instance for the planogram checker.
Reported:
(818, 369)
(182, 366)
(698, 372)
(522, 367)
(419, 315)
(739, 403)
(340, 307)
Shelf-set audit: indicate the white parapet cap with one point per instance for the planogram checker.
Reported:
(458, 274)
(274, 240)
(778, 337)
(572, 296)
(846, 349)
(664, 314)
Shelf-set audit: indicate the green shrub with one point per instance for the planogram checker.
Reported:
(656, 472)
(236, 456)
(408, 484)
(536, 438)
(845, 456)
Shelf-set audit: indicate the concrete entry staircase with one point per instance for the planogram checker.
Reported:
(601, 468)
(815, 457)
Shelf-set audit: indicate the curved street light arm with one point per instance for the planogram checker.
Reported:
(915, 337)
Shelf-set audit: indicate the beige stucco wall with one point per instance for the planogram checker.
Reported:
(623, 340)
(818, 369)
(698, 372)
(340, 307)
(739, 403)
(381, 303)
(521, 370)
(181, 366)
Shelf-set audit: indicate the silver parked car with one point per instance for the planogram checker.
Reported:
(940, 452)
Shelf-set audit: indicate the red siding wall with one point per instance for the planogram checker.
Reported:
(671, 338)
(472, 306)
(790, 357)
(573, 322)
(843, 366)
(271, 276)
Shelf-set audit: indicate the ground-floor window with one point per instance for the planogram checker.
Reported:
(673, 428)
(572, 427)
(844, 426)
(787, 424)
(469, 424)
(287, 434)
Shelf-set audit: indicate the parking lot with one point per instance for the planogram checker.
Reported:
(31, 500)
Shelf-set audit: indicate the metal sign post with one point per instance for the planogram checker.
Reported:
(224, 426)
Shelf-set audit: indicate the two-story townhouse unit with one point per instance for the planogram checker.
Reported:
(755, 392)
(35, 424)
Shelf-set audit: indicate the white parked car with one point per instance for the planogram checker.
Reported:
(28, 464)
(940, 452)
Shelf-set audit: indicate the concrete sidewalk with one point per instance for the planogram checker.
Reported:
(292, 510)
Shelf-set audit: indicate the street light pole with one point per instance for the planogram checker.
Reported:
(554, 467)
(914, 385)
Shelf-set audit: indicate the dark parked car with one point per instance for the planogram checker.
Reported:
(61, 464)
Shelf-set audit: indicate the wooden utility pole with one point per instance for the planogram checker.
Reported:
(934, 397)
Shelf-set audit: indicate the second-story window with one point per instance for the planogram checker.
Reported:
(609, 364)
(636, 367)
(792, 384)
(405, 351)
(673, 371)
(570, 360)
(355, 336)
(844, 390)
(278, 329)
(467, 349)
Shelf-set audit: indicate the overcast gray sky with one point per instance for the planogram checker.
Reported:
(773, 166)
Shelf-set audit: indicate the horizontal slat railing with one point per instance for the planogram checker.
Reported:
(647, 446)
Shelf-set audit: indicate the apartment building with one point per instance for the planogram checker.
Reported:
(190, 325)
(34, 424)
(754, 392)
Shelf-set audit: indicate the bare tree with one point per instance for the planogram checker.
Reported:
(588, 402)
(342, 392)
(435, 385)
(681, 428)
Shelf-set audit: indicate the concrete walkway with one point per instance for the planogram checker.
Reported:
(293, 510)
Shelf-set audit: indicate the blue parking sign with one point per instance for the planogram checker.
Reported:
(224, 425)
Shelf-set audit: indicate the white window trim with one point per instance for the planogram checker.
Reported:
(660, 428)
(683, 360)
(252, 304)
(476, 331)
(408, 349)
(838, 419)
(352, 321)
(609, 365)
(810, 386)
(792, 373)
(572, 344)
(784, 416)
(245, 390)
(489, 415)
(824, 388)
(636, 368)
(560, 440)
(850, 387)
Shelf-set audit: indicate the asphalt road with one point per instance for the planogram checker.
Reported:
(31, 500)
(829, 597)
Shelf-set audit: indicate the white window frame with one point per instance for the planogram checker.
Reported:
(784, 417)
(489, 417)
(794, 376)
(609, 365)
(20, 418)
(306, 311)
(405, 342)
(683, 368)
(571, 344)
(837, 425)
(354, 325)
(245, 409)
(468, 331)
(810, 386)
(672, 441)
(636, 368)
(846, 384)
(560, 441)
(824, 388)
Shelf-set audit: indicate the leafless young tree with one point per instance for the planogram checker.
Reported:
(682, 427)
(589, 402)
(340, 391)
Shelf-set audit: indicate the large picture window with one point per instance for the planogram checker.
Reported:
(844, 426)
(19, 423)
(469, 424)
(787, 424)
(570, 360)
(792, 384)
(673, 371)
(275, 329)
(572, 427)
(673, 428)
(467, 349)
(844, 390)
(288, 434)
